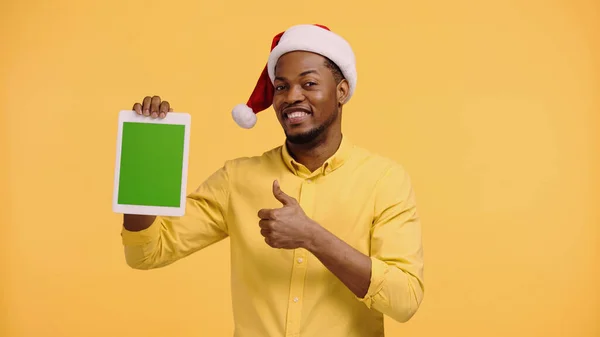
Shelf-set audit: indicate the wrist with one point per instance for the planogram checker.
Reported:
(315, 234)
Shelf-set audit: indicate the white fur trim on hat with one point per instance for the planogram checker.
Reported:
(320, 41)
(244, 116)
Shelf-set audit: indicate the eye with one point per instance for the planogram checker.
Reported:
(310, 84)
(279, 87)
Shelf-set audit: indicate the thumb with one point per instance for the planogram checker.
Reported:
(280, 195)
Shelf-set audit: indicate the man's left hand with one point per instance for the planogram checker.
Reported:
(287, 227)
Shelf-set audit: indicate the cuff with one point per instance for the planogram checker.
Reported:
(131, 238)
(378, 271)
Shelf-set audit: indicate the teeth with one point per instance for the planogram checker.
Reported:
(297, 114)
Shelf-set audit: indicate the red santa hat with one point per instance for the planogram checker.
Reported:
(312, 38)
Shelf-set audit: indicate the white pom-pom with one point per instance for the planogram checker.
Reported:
(244, 116)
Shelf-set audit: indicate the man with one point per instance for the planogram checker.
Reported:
(325, 236)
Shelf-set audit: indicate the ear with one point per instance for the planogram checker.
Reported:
(343, 88)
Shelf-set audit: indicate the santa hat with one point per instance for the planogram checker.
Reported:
(312, 38)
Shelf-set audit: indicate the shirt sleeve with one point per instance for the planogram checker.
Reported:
(396, 287)
(170, 238)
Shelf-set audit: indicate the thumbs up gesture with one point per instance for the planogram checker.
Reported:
(287, 227)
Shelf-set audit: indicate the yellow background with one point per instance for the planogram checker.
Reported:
(492, 106)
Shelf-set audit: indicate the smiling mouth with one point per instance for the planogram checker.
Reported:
(296, 113)
(296, 116)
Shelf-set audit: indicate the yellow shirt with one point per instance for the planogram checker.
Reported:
(363, 198)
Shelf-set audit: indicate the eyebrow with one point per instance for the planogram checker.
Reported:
(304, 73)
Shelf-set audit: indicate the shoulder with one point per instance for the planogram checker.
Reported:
(242, 170)
(253, 164)
(378, 164)
(392, 182)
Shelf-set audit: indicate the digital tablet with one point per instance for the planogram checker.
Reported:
(151, 164)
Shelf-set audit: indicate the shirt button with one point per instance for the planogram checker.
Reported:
(300, 260)
(295, 299)
(308, 181)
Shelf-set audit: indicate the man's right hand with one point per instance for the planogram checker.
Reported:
(152, 107)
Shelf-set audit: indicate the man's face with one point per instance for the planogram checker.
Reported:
(306, 96)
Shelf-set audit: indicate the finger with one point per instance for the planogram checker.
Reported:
(271, 242)
(154, 106)
(163, 109)
(266, 214)
(280, 195)
(263, 224)
(146, 105)
(265, 232)
(266, 224)
(137, 107)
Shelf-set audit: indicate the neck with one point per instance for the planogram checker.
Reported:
(314, 154)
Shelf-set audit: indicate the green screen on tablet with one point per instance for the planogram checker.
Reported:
(151, 164)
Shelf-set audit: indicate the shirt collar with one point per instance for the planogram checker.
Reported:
(331, 164)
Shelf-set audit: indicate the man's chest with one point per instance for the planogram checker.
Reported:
(343, 206)
(341, 203)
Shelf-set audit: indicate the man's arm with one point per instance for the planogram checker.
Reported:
(390, 280)
(352, 267)
(153, 242)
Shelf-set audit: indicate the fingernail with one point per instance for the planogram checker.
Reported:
(154, 115)
(162, 115)
(146, 112)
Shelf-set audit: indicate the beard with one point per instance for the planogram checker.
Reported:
(312, 134)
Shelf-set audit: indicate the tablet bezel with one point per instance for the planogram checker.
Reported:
(177, 118)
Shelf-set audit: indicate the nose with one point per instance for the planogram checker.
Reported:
(294, 95)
